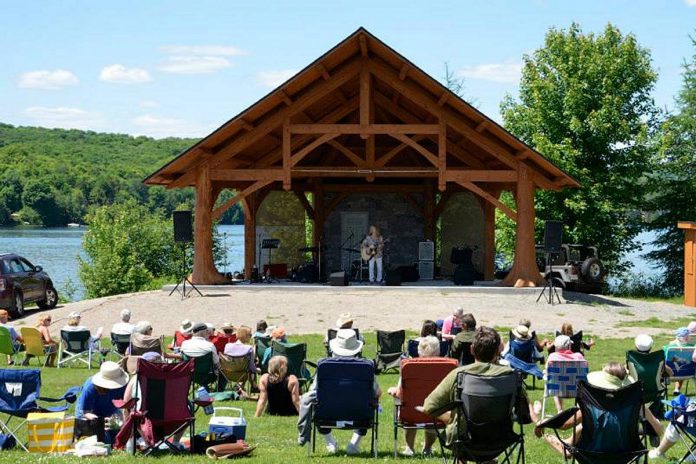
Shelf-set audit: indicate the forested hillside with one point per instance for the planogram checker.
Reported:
(53, 177)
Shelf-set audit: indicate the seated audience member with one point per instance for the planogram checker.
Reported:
(464, 338)
(613, 376)
(277, 335)
(241, 347)
(74, 325)
(452, 324)
(344, 321)
(521, 335)
(261, 327)
(442, 402)
(16, 338)
(98, 391)
(181, 334)
(540, 345)
(43, 322)
(428, 328)
(278, 390)
(123, 327)
(346, 345)
(428, 347)
(567, 329)
(143, 341)
(199, 345)
(563, 352)
(223, 337)
(682, 339)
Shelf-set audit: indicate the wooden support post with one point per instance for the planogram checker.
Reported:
(364, 100)
(488, 240)
(429, 211)
(524, 272)
(204, 271)
(287, 153)
(249, 205)
(442, 156)
(318, 206)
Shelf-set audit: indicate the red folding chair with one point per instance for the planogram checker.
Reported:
(419, 377)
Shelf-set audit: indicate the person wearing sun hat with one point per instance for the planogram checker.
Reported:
(224, 336)
(345, 345)
(95, 402)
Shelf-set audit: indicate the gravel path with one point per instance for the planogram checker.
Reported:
(313, 310)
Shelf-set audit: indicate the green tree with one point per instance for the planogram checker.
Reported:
(42, 198)
(585, 104)
(673, 183)
(129, 249)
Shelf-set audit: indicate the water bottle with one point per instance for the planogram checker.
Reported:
(203, 395)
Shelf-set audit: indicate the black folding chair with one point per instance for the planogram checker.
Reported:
(489, 405)
(390, 350)
(331, 334)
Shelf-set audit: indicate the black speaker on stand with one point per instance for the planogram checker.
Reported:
(553, 240)
(183, 235)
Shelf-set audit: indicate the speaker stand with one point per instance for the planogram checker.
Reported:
(549, 284)
(185, 293)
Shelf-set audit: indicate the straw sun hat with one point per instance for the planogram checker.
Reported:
(346, 343)
(186, 326)
(521, 332)
(110, 376)
(344, 319)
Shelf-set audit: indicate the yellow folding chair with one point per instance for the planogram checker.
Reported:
(34, 345)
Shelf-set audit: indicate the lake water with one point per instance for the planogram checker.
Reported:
(57, 249)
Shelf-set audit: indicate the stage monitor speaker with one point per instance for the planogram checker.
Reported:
(553, 236)
(183, 232)
(392, 278)
(426, 251)
(461, 255)
(426, 270)
(338, 279)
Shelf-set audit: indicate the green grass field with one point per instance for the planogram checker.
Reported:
(276, 437)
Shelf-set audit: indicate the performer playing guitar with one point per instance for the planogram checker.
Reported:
(371, 251)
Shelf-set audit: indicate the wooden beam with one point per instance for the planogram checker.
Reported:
(480, 175)
(245, 125)
(443, 99)
(363, 45)
(371, 129)
(286, 98)
(442, 157)
(296, 158)
(364, 100)
(204, 271)
(482, 126)
(305, 203)
(250, 206)
(409, 199)
(372, 188)
(340, 171)
(287, 153)
(416, 146)
(357, 160)
(523, 154)
(324, 72)
(384, 159)
(241, 195)
(403, 72)
(482, 193)
(241, 175)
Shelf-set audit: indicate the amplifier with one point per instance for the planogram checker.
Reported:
(426, 251)
(338, 279)
(426, 270)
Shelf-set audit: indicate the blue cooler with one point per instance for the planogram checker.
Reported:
(228, 425)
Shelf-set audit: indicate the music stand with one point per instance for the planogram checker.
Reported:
(184, 278)
(270, 244)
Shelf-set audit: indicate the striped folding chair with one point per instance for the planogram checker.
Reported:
(562, 379)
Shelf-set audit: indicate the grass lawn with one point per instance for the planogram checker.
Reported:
(276, 437)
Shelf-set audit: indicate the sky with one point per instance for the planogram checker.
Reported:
(182, 68)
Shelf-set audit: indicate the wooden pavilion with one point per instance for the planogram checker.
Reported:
(362, 118)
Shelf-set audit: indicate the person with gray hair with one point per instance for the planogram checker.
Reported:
(123, 327)
(428, 347)
(142, 340)
(452, 325)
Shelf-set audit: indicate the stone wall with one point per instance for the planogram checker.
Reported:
(462, 225)
(397, 219)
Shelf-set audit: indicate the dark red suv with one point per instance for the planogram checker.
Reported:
(21, 282)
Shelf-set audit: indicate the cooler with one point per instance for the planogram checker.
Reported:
(228, 425)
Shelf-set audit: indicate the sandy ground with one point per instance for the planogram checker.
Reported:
(314, 309)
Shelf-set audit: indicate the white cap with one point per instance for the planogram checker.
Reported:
(643, 342)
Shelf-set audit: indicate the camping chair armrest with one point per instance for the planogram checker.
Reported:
(203, 403)
(311, 364)
(123, 404)
(70, 396)
(557, 421)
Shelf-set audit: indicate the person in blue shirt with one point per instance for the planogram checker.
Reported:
(95, 400)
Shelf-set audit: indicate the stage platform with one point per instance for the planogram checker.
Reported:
(486, 287)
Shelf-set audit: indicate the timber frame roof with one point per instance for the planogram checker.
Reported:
(361, 112)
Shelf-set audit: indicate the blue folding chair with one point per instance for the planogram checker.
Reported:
(412, 348)
(345, 397)
(20, 391)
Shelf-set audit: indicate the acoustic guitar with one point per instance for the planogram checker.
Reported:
(367, 252)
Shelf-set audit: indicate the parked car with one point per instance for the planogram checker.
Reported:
(576, 268)
(22, 283)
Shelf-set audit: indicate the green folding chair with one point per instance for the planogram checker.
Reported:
(296, 354)
(260, 345)
(6, 345)
(204, 374)
(649, 368)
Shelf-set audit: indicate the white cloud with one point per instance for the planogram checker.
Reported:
(690, 2)
(149, 104)
(202, 50)
(274, 78)
(65, 118)
(158, 127)
(194, 64)
(119, 74)
(50, 80)
(508, 73)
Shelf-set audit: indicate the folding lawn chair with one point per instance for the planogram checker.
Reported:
(6, 345)
(562, 378)
(204, 374)
(419, 377)
(345, 398)
(331, 334)
(412, 348)
(20, 391)
(296, 354)
(390, 350)
(260, 346)
(577, 345)
(119, 344)
(236, 369)
(76, 346)
(463, 356)
(141, 344)
(525, 368)
(610, 426)
(680, 360)
(683, 419)
(487, 404)
(34, 345)
(160, 407)
(649, 368)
